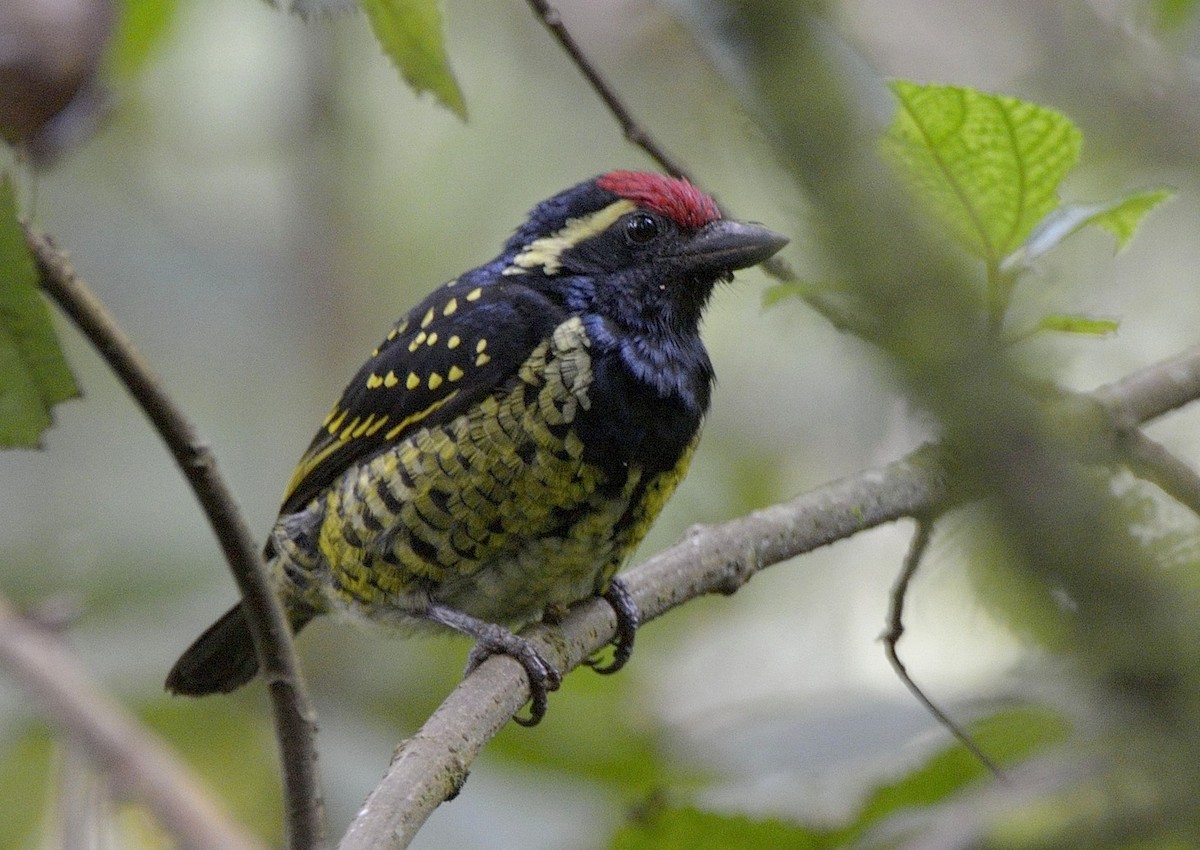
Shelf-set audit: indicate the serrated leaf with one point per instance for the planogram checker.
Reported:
(33, 371)
(989, 165)
(1078, 325)
(1120, 217)
(1123, 219)
(410, 33)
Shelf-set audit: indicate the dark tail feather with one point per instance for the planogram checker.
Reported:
(222, 659)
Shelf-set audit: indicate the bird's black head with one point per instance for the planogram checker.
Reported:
(641, 250)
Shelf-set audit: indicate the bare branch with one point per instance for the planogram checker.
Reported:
(432, 765)
(634, 132)
(134, 761)
(295, 724)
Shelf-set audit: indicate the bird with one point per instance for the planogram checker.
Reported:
(510, 441)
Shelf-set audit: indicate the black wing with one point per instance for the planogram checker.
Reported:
(455, 348)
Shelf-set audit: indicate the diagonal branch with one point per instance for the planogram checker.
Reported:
(634, 132)
(295, 720)
(133, 760)
(432, 765)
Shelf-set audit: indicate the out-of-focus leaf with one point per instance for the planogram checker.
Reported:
(25, 760)
(1078, 325)
(1006, 736)
(1173, 14)
(692, 829)
(989, 165)
(791, 289)
(33, 371)
(1120, 217)
(410, 33)
(142, 25)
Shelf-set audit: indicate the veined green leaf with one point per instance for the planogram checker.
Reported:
(1120, 217)
(410, 33)
(33, 371)
(989, 165)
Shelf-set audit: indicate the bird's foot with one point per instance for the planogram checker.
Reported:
(628, 618)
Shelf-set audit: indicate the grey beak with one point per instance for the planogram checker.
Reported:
(726, 245)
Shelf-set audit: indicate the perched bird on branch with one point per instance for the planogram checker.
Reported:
(513, 437)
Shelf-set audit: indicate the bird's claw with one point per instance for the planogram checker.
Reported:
(626, 610)
(543, 677)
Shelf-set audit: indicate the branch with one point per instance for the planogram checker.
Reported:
(634, 132)
(895, 630)
(133, 760)
(432, 765)
(294, 716)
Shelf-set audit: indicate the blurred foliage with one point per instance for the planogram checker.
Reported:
(25, 768)
(34, 375)
(142, 28)
(1009, 736)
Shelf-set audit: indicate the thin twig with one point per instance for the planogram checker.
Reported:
(634, 132)
(895, 630)
(136, 763)
(295, 724)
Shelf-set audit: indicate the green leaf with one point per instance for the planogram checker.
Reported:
(1120, 217)
(989, 165)
(33, 371)
(410, 33)
(691, 829)
(802, 289)
(1007, 737)
(142, 25)
(1077, 325)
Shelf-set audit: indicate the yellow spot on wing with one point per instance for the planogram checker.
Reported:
(390, 380)
(370, 432)
(337, 423)
(361, 429)
(428, 318)
(435, 380)
(455, 373)
(450, 307)
(412, 381)
(374, 381)
(482, 360)
(350, 428)
(474, 294)
(453, 342)
(432, 339)
(480, 346)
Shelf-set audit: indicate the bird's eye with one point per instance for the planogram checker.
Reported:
(641, 228)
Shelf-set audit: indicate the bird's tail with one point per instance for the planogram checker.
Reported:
(222, 659)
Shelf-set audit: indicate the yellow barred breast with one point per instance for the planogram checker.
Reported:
(494, 513)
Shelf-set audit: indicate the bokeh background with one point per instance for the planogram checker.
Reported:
(265, 196)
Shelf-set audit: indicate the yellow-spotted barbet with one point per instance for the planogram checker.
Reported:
(512, 438)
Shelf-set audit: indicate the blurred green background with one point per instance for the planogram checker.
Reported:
(266, 196)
